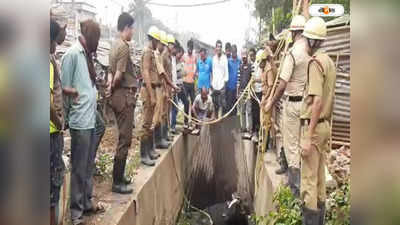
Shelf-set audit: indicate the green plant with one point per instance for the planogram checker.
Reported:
(338, 206)
(133, 164)
(288, 210)
(103, 165)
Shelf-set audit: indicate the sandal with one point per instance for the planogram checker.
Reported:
(195, 132)
(96, 209)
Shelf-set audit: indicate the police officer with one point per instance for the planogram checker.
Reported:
(316, 113)
(267, 82)
(123, 87)
(163, 63)
(150, 94)
(167, 62)
(292, 83)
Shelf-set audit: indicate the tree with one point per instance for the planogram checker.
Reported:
(143, 19)
(283, 12)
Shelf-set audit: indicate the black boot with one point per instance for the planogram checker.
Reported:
(152, 152)
(126, 180)
(282, 163)
(294, 181)
(144, 153)
(321, 207)
(160, 142)
(118, 185)
(310, 217)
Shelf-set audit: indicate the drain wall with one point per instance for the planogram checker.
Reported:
(206, 168)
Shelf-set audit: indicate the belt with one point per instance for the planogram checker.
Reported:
(130, 89)
(294, 98)
(152, 85)
(304, 122)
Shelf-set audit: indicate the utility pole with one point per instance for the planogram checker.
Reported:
(75, 19)
(108, 24)
(273, 21)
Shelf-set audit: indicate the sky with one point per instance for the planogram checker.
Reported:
(227, 21)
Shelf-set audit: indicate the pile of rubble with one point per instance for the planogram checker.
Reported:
(338, 162)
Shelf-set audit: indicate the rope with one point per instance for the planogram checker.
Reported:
(184, 194)
(249, 89)
(334, 98)
(199, 122)
(261, 147)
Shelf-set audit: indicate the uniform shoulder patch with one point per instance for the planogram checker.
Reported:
(318, 62)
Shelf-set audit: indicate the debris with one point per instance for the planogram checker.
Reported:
(339, 164)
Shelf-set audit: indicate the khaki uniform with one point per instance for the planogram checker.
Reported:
(166, 60)
(123, 99)
(150, 114)
(294, 70)
(161, 96)
(321, 82)
(267, 81)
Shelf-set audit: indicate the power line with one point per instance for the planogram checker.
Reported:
(187, 5)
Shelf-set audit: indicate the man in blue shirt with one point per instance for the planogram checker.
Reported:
(77, 72)
(204, 70)
(231, 87)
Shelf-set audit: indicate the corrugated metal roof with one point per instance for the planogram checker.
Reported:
(337, 46)
(340, 21)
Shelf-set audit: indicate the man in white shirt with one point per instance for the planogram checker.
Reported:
(219, 77)
(202, 108)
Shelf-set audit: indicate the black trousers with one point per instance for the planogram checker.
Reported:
(255, 111)
(174, 111)
(189, 92)
(218, 101)
(57, 167)
(230, 101)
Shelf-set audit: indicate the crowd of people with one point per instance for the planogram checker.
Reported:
(208, 87)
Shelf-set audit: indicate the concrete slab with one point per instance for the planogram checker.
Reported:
(267, 184)
(150, 204)
(159, 191)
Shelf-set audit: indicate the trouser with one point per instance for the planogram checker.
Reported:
(230, 101)
(189, 92)
(202, 116)
(81, 149)
(174, 111)
(57, 167)
(246, 114)
(312, 188)
(151, 114)
(99, 131)
(255, 111)
(217, 97)
(165, 103)
(123, 103)
(291, 132)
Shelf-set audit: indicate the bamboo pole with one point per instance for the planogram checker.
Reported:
(261, 149)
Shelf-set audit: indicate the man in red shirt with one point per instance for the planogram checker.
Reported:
(189, 61)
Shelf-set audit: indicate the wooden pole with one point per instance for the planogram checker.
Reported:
(306, 13)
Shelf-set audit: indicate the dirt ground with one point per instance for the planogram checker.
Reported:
(104, 159)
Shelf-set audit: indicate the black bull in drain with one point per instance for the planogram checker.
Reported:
(220, 180)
